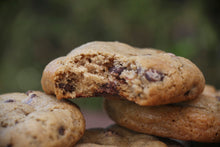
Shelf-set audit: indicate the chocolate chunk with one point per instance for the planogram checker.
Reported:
(116, 70)
(218, 97)
(28, 92)
(9, 101)
(153, 75)
(61, 130)
(187, 93)
(61, 85)
(69, 88)
(66, 87)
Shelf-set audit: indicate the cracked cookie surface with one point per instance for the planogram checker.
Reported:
(145, 76)
(116, 136)
(194, 120)
(35, 119)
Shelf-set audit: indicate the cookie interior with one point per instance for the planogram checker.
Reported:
(94, 74)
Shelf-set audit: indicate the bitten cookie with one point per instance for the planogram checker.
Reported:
(145, 76)
(195, 120)
(35, 119)
(116, 136)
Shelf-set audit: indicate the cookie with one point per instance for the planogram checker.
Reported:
(116, 136)
(35, 119)
(194, 120)
(145, 76)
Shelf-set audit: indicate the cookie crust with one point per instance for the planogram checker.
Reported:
(145, 76)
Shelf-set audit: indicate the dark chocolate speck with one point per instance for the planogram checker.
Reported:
(61, 130)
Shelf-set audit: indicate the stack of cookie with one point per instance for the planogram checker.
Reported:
(147, 92)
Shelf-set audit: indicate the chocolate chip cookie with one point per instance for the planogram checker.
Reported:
(194, 120)
(34, 119)
(145, 76)
(116, 136)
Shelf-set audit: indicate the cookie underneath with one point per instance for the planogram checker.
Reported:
(116, 136)
(34, 119)
(145, 76)
(195, 120)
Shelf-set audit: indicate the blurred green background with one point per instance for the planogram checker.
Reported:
(34, 32)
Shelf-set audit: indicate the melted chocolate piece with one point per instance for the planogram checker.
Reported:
(69, 88)
(153, 75)
(9, 101)
(116, 70)
(61, 85)
(66, 87)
